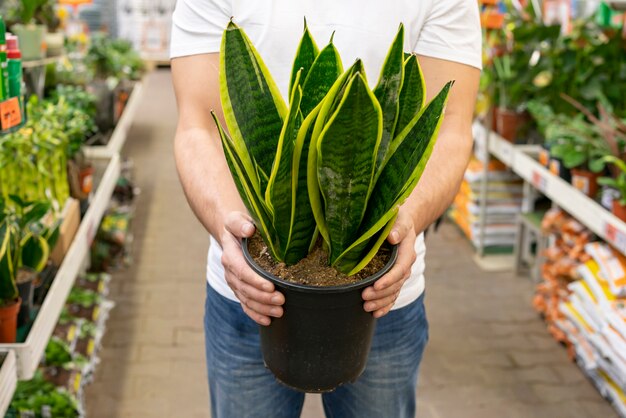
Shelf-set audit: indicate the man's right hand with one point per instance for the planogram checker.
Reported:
(258, 297)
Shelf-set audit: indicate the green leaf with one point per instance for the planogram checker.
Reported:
(303, 226)
(8, 290)
(35, 252)
(326, 109)
(347, 150)
(305, 56)
(387, 91)
(34, 213)
(413, 94)
(278, 195)
(361, 252)
(324, 72)
(253, 201)
(253, 107)
(409, 155)
(573, 158)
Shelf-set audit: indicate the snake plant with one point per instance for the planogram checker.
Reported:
(338, 159)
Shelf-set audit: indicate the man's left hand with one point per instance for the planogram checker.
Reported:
(381, 297)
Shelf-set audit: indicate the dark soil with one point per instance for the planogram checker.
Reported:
(314, 269)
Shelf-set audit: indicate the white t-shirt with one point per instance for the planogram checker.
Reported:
(445, 29)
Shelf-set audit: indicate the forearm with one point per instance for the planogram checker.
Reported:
(205, 178)
(442, 177)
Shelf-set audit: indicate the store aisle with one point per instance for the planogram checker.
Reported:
(153, 355)
(489, 354)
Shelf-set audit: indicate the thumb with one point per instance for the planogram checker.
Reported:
(239, 224)
(400, 229)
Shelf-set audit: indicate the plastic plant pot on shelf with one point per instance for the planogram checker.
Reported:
(30, 351)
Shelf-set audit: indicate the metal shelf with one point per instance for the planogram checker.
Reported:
(118, 139)
(8, 381)
(522, 160)
(29, 352)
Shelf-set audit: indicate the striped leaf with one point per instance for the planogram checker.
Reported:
(278, 195)
(253, 107)
(305, 56)
(397, 181)
(324, 72)
(413, 93)
(303, 226)
(35, 251)
(326, 108)
(347, 150)
(387, 92)
(359, 254)
(251, 199)
(8, 290)
(409, 155)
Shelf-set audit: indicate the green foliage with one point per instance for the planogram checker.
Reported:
(84, 297)
(340, 158)
(583, 140)
(619, 181)
(37, 393)
(113, 58)
(24, 241)
(539, 63)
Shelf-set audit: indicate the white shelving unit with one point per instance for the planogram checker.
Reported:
(522, 160)
(8, 381)
(29, 352)
(118, 139)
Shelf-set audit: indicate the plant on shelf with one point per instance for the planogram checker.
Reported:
(338, 159)
(26, 243)
(576, 144)
(24, 21)
(617, 182)
(36, 396)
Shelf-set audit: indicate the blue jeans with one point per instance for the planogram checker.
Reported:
(241, 386)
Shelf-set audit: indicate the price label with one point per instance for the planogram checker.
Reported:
(615, 236)
(10, 113)
(539, 181)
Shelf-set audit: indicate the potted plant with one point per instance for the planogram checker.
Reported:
(54, 38)
(30, 32)
(510, 114)
(576, 147)
(325, 174)
(618, 183)
(28, 246)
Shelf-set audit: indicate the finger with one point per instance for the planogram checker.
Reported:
(255, 316)
(401, 269)
(260, 308)
(233, 261)
(381, 304)
(382, 312)
(266, 298)
(371, 294)
(239, 225)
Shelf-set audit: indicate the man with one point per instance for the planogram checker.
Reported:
(446, 36)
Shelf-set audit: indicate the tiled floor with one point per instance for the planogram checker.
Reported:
(489, 354)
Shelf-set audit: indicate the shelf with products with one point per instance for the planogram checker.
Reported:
(8, 380)
(522, 159)
(30, 351)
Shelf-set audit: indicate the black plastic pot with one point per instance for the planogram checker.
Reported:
(324, 336)
(26, 288)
